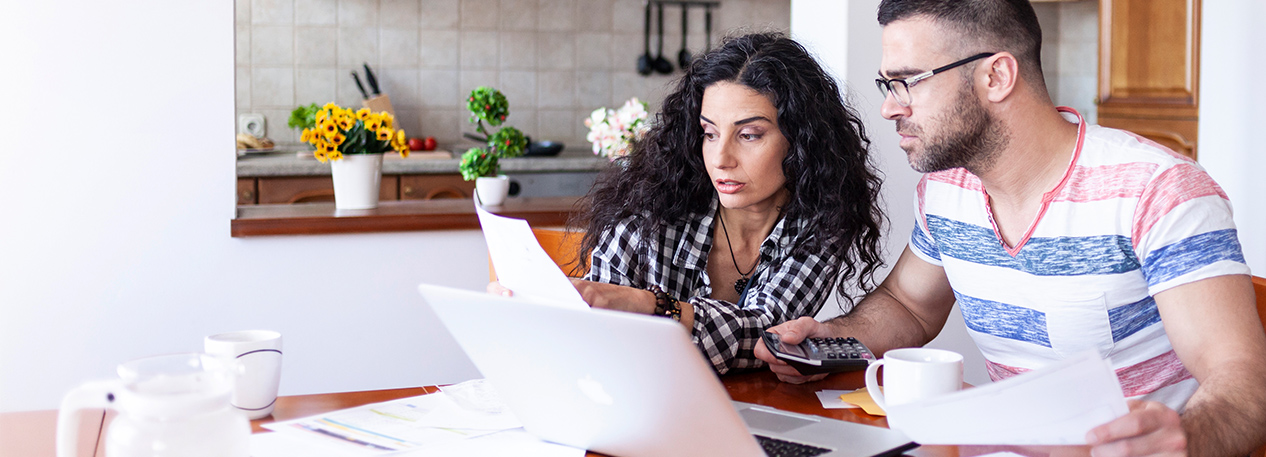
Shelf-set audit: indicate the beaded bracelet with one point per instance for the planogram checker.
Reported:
(665, 305)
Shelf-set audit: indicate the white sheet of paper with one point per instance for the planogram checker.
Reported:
(1055, 405)
(516, 442)
(285, 445)
(403, 424)
(522, 265)
(831, 399)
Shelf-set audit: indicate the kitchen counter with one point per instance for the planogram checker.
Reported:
(394, 216)
(289, 163)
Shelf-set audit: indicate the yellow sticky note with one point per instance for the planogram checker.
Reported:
(861, 397)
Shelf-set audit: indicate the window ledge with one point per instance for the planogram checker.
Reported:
(393, 216)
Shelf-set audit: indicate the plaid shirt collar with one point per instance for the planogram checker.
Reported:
(696, 242)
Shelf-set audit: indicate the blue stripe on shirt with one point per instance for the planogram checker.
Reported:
(1057, 256)
(1190, 254)
(1003, 320)
(1129, 319)
(923, 243)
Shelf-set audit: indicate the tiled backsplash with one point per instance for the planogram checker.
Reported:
(1070, 53)
(556, 60)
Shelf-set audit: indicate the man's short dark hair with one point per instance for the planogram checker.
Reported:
(993, 25)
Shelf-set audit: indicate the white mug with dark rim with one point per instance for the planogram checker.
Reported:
(258, 353)
(913, 374)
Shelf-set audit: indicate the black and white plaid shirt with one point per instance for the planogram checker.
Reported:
(783, 288)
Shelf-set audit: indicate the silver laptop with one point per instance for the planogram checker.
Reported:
(624, 384)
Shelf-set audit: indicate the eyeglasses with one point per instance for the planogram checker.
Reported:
(900, 88)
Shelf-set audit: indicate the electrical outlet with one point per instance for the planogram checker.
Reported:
(252, 123)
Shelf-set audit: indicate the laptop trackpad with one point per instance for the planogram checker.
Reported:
(774, 422)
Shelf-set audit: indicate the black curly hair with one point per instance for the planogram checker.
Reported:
(832, 184)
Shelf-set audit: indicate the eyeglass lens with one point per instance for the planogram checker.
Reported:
(898, 88)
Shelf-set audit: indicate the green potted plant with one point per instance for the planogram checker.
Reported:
(482, 164)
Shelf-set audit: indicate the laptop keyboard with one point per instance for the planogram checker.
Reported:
(779, 448)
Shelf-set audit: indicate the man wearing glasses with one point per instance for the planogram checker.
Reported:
(1057, 237)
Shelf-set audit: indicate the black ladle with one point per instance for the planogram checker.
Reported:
(644, 63)
(707, 25)
(683, 57)
(661, 64)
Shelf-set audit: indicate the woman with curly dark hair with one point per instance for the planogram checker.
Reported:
(750, 196)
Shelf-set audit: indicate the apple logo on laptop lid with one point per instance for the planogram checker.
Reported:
(593, 389)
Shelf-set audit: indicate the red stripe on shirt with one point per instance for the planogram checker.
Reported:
(998, 371)
(1139, 379)
(1175, 186)
(957, 177)
(1125, 180)
(1153, 374)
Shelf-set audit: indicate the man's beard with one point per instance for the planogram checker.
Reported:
(971, 139)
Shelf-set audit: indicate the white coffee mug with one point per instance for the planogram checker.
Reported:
(258, 353)
(913, 374)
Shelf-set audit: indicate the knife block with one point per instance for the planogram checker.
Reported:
(379, 103)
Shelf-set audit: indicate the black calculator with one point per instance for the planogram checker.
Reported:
(821, 355)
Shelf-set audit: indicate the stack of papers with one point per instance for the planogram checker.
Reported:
(462, 420)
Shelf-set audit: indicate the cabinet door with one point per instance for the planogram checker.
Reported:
(431, 187)
(247, 191)
(1179, 135)
(1149, 69)
(1149, 57)
(309, 189)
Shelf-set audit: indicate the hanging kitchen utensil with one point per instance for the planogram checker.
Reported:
(662, 65)
(707, 25)
(683, 57)
(644, 63)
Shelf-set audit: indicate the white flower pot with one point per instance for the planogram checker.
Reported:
(357, 180)
(492, 190)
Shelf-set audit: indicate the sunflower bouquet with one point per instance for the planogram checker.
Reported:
(340, 131)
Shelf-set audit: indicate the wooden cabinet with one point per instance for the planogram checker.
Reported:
(1149, 69)
(247, 192)
(434, 187)
(307, 189)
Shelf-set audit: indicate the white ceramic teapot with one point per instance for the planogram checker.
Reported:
(170, 405)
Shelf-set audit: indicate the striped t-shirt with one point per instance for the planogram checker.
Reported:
(1130, 219)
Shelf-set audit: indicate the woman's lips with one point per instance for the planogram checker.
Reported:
(729, 187)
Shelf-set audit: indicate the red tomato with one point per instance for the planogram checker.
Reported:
(415, 144)
(429, 144)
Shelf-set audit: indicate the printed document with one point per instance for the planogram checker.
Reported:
(522, 265)
(1054, 405)
(393, 426)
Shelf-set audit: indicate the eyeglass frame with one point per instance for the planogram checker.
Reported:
(885, 84)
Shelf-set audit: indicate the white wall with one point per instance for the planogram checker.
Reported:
(117, 172)
(1232, 97)
(846, 37)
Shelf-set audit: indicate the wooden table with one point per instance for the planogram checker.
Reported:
(33, 433)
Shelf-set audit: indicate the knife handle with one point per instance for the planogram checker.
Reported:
(356, 78)
(373, 82)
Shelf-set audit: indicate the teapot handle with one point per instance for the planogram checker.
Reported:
(95, 394)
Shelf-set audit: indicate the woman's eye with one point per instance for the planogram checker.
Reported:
(749, 136)
(709, 136)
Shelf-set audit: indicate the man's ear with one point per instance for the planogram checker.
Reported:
(1000, 75)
